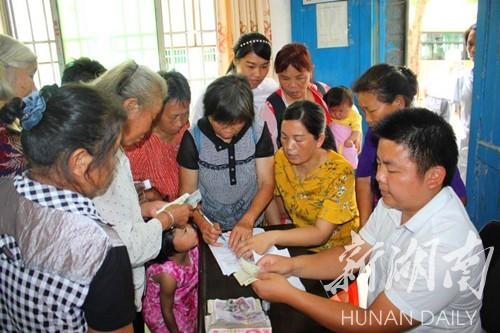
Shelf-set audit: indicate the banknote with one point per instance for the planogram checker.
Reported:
(246, 275)
(192, 199)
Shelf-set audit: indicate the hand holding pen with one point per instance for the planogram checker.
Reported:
(211, 231)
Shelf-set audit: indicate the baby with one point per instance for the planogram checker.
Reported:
(346, 122)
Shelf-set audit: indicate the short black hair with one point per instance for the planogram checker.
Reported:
(229, 99)
(313, 118)
(82, 70)
(338, 95)
(75, 116)
(387, 82)
(429, 138)
(177, 87)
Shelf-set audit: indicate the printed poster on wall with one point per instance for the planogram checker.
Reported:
(331, 24)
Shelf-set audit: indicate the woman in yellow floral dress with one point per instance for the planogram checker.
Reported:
(314, 186)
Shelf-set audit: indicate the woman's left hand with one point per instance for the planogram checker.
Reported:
(242, 231)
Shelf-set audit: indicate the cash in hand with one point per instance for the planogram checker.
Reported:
(246, 275)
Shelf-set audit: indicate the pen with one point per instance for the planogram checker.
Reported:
(211, 223)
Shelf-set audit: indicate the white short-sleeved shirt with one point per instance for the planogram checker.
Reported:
(263, 90)
(419, 265)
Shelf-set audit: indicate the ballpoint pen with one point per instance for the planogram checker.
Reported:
(212, 224)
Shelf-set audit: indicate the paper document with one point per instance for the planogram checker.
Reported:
(227, 260)
(245, 271)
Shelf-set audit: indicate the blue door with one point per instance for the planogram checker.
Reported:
(483, 174)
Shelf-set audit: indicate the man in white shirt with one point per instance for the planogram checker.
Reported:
(425, 255)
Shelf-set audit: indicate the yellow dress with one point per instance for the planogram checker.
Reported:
(326, 193)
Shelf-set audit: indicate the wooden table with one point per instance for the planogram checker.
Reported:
(213, 284)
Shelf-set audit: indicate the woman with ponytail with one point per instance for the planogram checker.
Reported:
(382, 90)
(252, 59)
(314, 186)
(62, 267)
(17, 67)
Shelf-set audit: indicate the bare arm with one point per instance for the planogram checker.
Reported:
(336, 316)
(314, 235)
(265, 181)
(354, 139)
(364, 198)
(188, 182)
(167, 293)
(327, 264)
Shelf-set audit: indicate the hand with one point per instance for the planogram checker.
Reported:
(210, 232)
(259, 243)
(276, 264)
(357, 144)
(348, 143)
(152, 195)
(272, 287)
(242, 231)
(181, 214)
(149, 208)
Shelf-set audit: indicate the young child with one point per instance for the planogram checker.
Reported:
(171, 300)
(229, 157)
(346, 123)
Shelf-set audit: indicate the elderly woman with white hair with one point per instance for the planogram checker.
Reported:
(17, 67)
(140, 92)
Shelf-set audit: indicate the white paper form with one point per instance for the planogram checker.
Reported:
(331, 24)
(227, 260)
(229, 263)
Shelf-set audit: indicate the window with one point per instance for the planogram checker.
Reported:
(189, 41)
(162, 34)
(441, 45)
(31, 23)
(109, 31)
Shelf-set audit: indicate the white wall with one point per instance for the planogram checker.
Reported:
(281, 23)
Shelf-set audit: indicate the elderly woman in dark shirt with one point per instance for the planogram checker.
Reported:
(62, 267)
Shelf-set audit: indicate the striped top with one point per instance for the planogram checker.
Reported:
(156, 160)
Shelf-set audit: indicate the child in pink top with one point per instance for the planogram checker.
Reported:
(171, 300)
(346, 123)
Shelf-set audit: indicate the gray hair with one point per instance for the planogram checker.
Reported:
(12, 54)
(130, 80)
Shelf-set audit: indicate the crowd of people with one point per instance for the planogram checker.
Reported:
(87, 168)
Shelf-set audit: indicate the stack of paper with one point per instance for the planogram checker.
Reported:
(240, 315)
